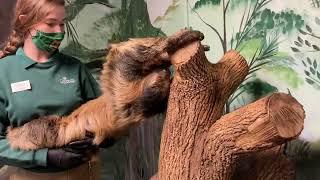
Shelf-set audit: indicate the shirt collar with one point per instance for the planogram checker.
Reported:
(28, 62)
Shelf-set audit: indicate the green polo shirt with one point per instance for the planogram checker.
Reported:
(29, 90)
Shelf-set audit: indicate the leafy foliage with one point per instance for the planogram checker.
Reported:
(306, 42)
(73, 8)
(261, 57)
(303, 44)
(247, 21)
(315, 3)
(258, 88)
(134, 22)
(255, 24)
(131, 20)
(201, 3)
(312, 72)
(253, 89)
(268, 21)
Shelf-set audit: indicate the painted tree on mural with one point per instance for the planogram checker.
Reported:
(259, 29)
(123, 21)
(74, 48)
(143, 143)
(136, 156)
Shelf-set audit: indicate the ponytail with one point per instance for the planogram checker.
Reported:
(13, 42)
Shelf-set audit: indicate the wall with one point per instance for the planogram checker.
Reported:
(280, 37)
(281, 25)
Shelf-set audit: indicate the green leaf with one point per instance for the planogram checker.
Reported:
(309, 29)
(237, 95)
(286, 75)
(298, 44)
(300, 39)
(315, 65)
(249, 48)
(305, 65)
(309, 60)
(295, 49)
(307, 73)
(318, 75)
(302, 32)
(231, 42)
(201, 3)
(310, 81)
(307, 43)
(315, 47)
(312, 71)
(258, 88)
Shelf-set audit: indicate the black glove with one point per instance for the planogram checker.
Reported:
(72, 155)
(108, 142)
(81, 146)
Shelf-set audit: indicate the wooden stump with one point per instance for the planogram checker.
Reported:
(197, 143)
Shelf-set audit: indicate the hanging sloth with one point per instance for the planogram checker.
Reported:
(135, 83)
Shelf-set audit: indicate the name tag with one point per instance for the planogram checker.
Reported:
(20, 86)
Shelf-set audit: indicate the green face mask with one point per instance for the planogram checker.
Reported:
(48, 41)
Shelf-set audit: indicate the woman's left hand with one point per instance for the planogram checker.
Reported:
(81, 146)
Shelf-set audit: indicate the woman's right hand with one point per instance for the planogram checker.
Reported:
(72, 155)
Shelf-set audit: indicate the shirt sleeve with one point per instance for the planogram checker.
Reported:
(19, 158)
(90, 88)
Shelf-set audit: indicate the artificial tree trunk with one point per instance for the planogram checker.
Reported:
(197, 143)
(271, 164)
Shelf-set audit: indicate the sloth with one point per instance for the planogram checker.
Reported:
(135, 84)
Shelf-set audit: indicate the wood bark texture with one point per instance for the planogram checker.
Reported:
(199, 143)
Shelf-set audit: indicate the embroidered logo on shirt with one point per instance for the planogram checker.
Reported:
(65, 80)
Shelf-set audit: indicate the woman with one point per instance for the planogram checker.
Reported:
(37, 80)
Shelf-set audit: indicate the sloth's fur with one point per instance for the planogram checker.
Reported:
(135, 82)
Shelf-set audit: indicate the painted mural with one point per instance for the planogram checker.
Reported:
(279, 38)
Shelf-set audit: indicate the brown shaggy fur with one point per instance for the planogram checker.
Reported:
(135, 83)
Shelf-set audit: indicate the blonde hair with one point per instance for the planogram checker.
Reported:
(35, 11)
